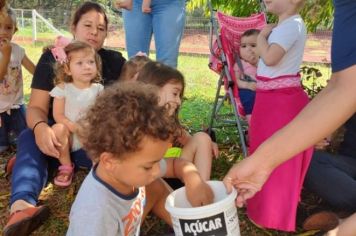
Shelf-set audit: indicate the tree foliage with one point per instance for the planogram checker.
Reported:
(318, 14)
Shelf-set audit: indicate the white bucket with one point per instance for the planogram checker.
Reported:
(217, 219)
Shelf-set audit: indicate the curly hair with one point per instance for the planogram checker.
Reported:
(60, 68)
(132, 67)
(121, 117)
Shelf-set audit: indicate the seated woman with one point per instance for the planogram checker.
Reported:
(38, 147)
(333, 178)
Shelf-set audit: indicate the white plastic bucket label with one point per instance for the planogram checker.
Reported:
(216, 225)
(213, 225)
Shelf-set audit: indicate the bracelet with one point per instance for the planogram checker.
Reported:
(38, 122)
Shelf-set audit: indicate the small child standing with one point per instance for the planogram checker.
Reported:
(247, 70)
(132, 67)
(127, 4)
(127, 147)
(77, 77)
(279, 98)
(12, 57)
(199, 148)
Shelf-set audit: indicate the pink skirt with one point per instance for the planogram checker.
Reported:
(275, 206)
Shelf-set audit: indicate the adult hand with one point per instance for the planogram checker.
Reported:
(46, 140)
(248, 177)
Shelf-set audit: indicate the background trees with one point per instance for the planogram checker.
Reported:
(317, 13)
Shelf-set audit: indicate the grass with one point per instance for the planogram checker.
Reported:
(195, 113)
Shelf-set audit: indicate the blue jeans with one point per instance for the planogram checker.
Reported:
(165, 22)
(333, 178)
(30, 173)
(15, 122)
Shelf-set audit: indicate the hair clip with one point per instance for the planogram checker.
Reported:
(58, 50)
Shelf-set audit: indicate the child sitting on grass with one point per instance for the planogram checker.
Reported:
(127, 146)
(198, 148)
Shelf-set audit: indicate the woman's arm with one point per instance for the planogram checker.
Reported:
(59, 116)
(324, 114)
(37, 111)
(28, 64)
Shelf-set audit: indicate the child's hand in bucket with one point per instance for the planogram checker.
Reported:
(199, 194)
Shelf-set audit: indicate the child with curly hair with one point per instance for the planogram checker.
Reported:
(198, 148)
(77, 76)
(127, 148)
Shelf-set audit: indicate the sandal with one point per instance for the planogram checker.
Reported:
(64, 171)
(24, 222)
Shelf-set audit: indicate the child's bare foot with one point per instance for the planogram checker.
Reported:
(125, 4)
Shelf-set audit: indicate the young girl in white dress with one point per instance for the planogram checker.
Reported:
(77, 77)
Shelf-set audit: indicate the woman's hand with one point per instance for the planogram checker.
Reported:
(46, 140)
(247, 177)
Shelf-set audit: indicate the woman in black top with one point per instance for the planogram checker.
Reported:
(38, 146)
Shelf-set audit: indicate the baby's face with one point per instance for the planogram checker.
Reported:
(248, 49)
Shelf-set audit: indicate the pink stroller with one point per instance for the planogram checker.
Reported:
(225, 35)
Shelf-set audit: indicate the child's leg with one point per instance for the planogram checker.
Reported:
(146, 6)
(126, 4)
(63, 135)
(199, 151)
(156, 194)
(64, 175)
